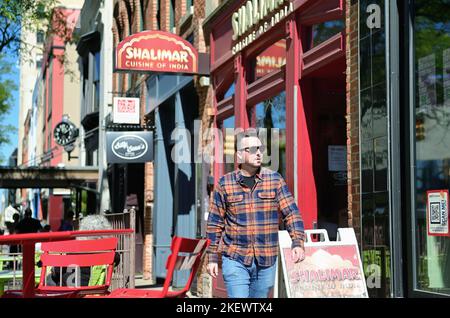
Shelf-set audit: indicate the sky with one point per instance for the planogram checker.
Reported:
(13, 117)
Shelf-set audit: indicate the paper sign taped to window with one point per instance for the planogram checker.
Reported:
(337, 158)
(437, 213)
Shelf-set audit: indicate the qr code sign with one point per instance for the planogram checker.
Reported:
(443, 214)
(435, 213)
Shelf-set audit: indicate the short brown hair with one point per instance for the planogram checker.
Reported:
(250, 132)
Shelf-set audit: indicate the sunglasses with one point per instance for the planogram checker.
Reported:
(254, 149)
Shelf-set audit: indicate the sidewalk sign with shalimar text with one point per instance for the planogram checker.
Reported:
(331, 269)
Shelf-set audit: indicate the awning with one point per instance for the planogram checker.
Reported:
(46, 177)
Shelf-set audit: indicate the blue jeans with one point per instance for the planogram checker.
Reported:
(244, 281)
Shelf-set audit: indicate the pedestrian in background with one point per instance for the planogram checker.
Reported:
(28, 223)
(67, 222)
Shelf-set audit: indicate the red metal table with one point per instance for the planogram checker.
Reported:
(29, 240)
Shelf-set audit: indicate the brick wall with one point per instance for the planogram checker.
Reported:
(352, 96)
(165, 15)
(180, 11)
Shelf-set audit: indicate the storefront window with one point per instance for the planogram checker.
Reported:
(271, 115)
(326, 30)
(229, 92)
(432, 144)
(228, 144)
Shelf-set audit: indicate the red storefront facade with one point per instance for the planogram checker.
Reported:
(310, 79)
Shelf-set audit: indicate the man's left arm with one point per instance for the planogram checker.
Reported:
(291, 215)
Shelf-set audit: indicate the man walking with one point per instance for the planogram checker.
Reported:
(243, 218)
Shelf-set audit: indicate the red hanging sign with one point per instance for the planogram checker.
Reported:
(156, 51)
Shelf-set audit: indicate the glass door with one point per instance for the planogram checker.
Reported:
(430, 127)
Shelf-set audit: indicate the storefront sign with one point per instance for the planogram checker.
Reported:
(129, 146)
(126, 110)
(331, 269)
(156, 51)
(437, 213)
(255, 18)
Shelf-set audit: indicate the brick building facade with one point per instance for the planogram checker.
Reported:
(352, 102)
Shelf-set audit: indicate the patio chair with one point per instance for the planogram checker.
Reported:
(74, 253)
(186, 255)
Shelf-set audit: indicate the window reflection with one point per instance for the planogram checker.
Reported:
(228, 137)
(374, 155)
(270, 60)
(229, 92)
(326, 30)
(271, 115)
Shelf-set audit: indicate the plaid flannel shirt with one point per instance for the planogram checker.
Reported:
(245, 222)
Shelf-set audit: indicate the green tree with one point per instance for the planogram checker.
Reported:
(19, 15)
(7, 86)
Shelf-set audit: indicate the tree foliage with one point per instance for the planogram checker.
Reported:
(7, 86)
(18, 15)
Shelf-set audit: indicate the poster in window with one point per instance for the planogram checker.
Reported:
(337, 158)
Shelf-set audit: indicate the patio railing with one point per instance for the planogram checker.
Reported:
(124, 273)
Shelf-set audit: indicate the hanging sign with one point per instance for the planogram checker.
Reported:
(437, 213)
(126, 110)
(156, 51)
(331, 269)
(129, 146)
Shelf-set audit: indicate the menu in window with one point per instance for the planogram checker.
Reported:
(337, 158)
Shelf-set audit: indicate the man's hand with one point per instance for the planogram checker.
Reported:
(213, 269)
(298, 254)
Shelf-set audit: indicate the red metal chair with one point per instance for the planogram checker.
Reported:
(186, 255)
(74, 253)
